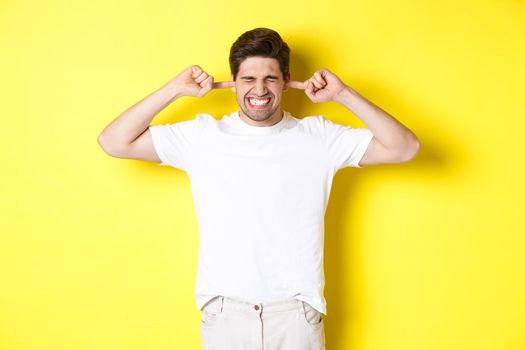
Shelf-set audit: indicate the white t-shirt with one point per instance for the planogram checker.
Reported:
(260, 196)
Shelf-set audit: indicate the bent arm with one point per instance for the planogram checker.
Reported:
(392, 142)
(128, 136)
(129, 125)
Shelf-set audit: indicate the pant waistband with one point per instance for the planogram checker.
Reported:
(226, 304)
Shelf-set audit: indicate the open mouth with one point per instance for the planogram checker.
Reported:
(258, 102)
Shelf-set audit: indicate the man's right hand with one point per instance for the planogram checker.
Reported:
(128, 135)
(193, 81)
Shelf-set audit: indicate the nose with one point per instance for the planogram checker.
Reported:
(260, 88)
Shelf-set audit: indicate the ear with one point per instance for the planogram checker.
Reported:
(233, 87)
(286, 80)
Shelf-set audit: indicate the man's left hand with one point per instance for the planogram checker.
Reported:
(323, 86)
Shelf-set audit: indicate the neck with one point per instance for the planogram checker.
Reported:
(274, 119)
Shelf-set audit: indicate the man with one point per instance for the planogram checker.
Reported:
(261, 179)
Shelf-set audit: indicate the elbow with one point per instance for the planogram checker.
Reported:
(104, 143)
(411, 150)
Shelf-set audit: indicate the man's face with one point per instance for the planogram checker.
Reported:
(259, 86)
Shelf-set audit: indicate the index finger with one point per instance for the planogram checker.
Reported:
(223, 84)
(296, 84)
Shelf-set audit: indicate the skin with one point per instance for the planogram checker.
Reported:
(128, 135)
(261, 78)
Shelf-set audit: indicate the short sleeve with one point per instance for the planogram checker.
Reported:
(174, 143)
(346, 145)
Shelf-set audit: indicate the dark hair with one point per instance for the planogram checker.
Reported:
(262, 42)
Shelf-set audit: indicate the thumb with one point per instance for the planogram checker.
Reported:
(309, 90)
(206, 86)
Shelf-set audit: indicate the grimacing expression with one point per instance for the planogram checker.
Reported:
(259, 86)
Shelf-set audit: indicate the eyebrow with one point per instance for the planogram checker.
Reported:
(269, 76)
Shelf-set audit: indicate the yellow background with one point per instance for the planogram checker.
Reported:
(101, 253)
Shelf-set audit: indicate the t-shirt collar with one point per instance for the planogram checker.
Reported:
(248, 129)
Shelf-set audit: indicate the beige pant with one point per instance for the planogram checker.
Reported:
(229, 324)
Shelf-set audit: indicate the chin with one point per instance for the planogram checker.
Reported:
(258, 117)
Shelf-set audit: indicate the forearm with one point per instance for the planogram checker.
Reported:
(386, 129)
(130, 124)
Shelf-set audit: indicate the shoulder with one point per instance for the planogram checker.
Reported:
(200, 121)
(204, 118)
(315, 125)
(188, 128)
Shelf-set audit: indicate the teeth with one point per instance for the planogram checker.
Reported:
(257, 102)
